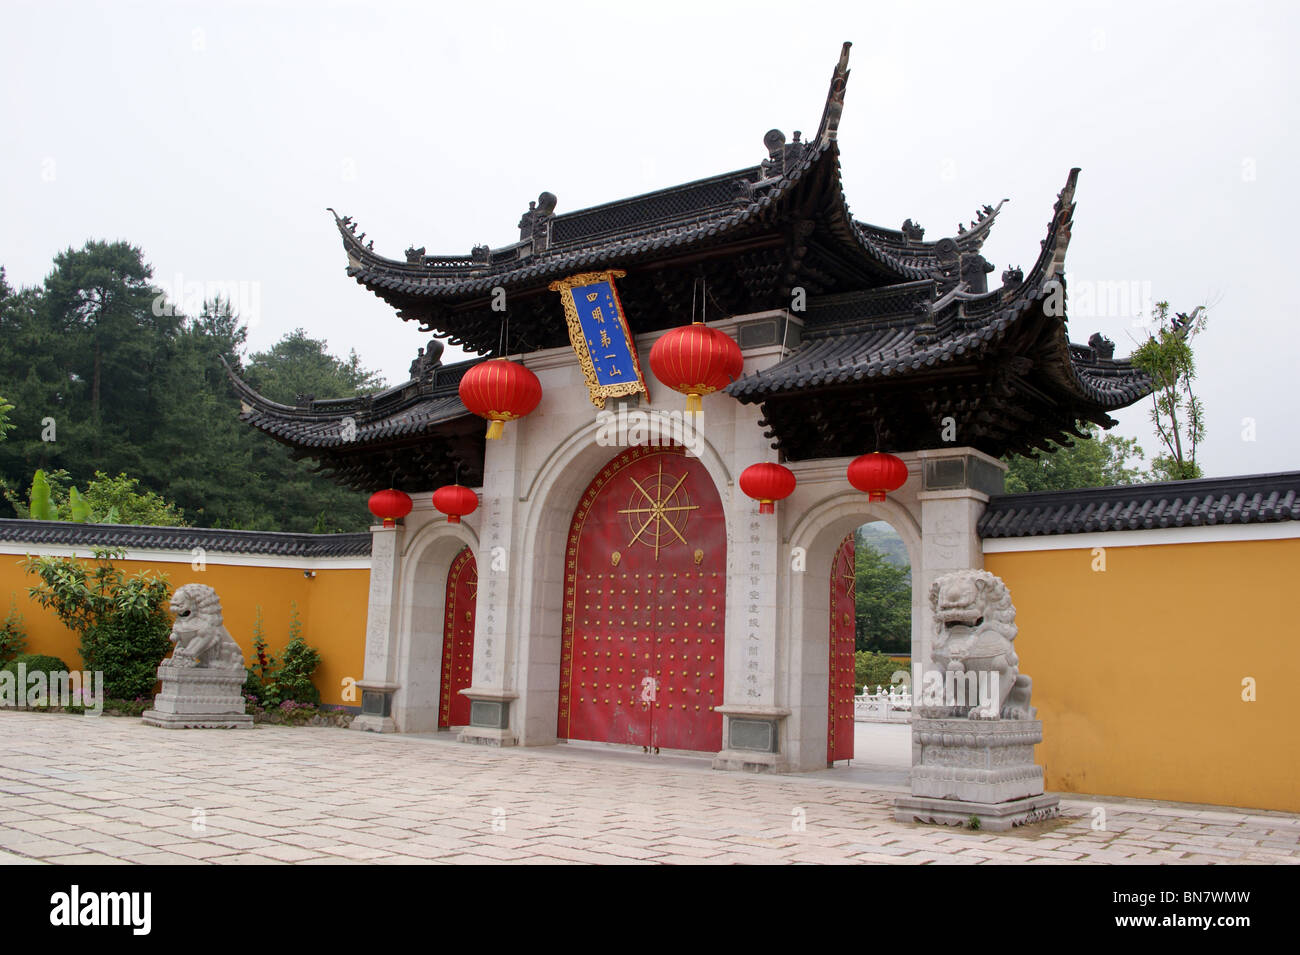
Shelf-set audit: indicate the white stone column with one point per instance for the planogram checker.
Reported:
(955, 488)
(496, 620)
(379, 681)
(754, 730)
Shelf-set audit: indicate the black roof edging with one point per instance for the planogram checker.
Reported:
(215, 540)
(1240, 499)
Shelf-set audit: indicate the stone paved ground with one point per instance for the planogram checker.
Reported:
(112, 790)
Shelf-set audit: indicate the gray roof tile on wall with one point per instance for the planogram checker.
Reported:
(214, 540)
(1246, 499)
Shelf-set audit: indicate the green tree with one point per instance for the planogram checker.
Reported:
(297, 365)
(1098, 461)
(101, 301)
(123, 621)
(5, 425)
(108, 500)
(104, 377)
(13, 638)
(33, 380)
(871, 670)
(202, 454)
(884, 602)
(304, 501)
(121, 498)
(46, 498)
(1177, 413)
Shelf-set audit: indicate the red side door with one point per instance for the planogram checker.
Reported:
(839, 729)
(458, 640)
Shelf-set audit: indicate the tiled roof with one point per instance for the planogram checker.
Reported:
(644, 226)
(755, 233)
(611, 241)
(1249, 499)
(411, 409)
(920, 327)
(923, 255)
(212, 540)
(416, 436)
(854, 352)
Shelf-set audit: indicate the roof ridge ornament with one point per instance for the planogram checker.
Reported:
(830, 123)
(535, 224)
(1102, 346)
(1052, 259)
(351, 242)
(782, 158)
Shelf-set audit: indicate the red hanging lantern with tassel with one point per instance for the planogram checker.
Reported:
(767, 483)
(877, 474)
(500, 390)
(696, 360)
(455, 500)
(389, 505)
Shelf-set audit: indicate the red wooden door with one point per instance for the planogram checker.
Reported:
(839, 729)
(458, 640)
(644, 605)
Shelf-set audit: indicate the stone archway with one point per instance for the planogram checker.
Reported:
(644, 635)
(819, 532)
(550, 499)
(426, 561)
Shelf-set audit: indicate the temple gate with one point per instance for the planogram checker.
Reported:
(602, 614)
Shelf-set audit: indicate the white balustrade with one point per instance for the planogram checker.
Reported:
(893, 705)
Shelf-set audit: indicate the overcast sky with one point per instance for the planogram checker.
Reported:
(215, 135)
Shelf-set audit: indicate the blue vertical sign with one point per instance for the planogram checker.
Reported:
(600, 335)
(605, 333)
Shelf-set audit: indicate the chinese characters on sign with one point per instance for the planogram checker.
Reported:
(600, 336)
(492, 675)
(753, 669)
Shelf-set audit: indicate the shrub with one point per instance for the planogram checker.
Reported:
(874, 669)
(123, 622)
(12, 635)
(127, 652)
(297, 665)
(126, 707)
(260, 673)
(36, 663)
(270, 681)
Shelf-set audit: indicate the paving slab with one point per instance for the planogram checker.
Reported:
(122, 792)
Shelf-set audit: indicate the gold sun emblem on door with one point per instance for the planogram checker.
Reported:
(844, 573)
(658, 511)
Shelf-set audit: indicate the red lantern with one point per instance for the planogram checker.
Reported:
(696, 360)
(767, 483)
(455, 500)
(500, 390)
(389, 505)
(877, 474)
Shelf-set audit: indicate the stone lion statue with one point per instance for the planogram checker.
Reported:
(974, 626)
(201, 639)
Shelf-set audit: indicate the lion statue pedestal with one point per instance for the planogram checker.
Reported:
(203, 679)
(973, 729)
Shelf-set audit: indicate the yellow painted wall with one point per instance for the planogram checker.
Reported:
(1138, 670)
(331, 606)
